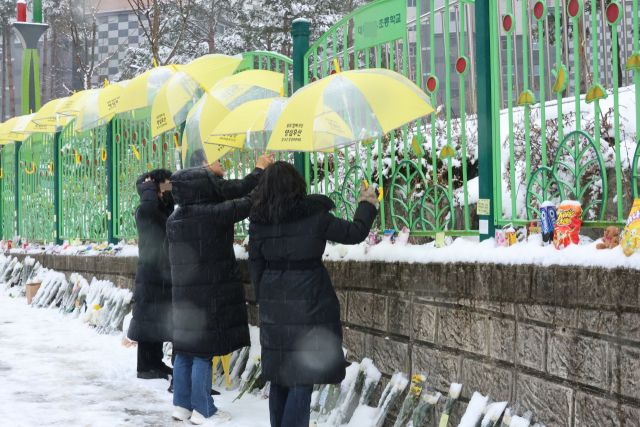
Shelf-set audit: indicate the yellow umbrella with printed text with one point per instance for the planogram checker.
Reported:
(99, 108)
(142, 90)
(14, 129)
(228, 95)
(178, 95)
(348, 107)
(249, 125)
(46, 120)
(71, 107)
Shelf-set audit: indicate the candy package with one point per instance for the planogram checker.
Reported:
(567, 229)
(548, 217)
(388, 235)
(631, 235)
(371, 238)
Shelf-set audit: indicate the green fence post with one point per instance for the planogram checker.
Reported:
(485, 115)
(17, 193)
(56, 188)
(110, 182)
(300, 34)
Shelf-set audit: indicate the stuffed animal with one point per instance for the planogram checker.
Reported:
(611, 238)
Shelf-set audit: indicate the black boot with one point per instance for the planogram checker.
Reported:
(164, 368)
(170, 389)
(153, 374)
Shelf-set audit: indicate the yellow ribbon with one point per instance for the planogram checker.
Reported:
(135, 151)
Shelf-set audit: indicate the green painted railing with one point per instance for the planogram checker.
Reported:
(548, 159)
(134, 153)
(83, 184)
(8, 183)
(36, 186)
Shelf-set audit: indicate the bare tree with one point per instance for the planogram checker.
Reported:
(158, 20)
(205, 17)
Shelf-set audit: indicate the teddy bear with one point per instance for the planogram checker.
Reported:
(611, 238)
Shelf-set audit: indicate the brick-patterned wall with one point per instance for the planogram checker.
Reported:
(562, 341)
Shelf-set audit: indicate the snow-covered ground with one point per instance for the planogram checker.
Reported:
(57, 371)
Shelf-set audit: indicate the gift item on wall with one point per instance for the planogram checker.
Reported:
(506, 236)
(631, 236)
(371, 238)
(403, 237)
(388, 235)
(548, 217)
(567, 229)
(611, 238)
(499, 240)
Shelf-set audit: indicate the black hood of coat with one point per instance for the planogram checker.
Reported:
(196, 186)
(302, 208)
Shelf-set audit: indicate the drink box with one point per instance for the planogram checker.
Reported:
(548, 217)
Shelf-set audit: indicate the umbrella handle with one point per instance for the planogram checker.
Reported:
(26, 169)
(1, 173)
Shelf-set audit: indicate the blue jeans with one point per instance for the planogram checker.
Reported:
(192, 378)
(289, 406)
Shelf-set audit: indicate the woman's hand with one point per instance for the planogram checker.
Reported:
(368, 194)
(265, 160)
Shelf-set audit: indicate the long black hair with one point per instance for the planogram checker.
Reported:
(280, 187)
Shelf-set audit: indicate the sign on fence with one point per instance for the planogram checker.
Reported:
(380, 22)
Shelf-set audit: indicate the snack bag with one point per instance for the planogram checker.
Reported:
(548, 216)
(631, 236)
(510, 238)
(567, 229)
(403, 237)
(388, 234)
(499, 240)
(371, 238)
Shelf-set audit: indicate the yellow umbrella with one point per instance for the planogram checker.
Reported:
(249, 125)
(141, 91)
(348, 107)
(202, 119)
(176, 97)
(99, 108)
(14, 129)
(73, 104)
(46, 120)
(247, 86)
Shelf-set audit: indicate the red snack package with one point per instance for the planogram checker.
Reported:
(567, 230)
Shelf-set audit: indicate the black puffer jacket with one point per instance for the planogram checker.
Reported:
(300, 329)
(152, 310)
(209, 308)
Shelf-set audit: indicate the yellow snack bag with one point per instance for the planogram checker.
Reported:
(631, 237)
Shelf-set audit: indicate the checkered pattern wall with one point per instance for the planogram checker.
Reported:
(116, 32)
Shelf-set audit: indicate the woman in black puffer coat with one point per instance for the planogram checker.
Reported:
(300, 329)
(152, 322)
(209, 307)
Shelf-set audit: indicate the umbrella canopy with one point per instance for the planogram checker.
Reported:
(99, 108)
(14, 129)
(46, 120)
(247, 86)
(141, 91)
(176, 97)
(248, 126)
(73, 104)
(348, 107)
(202, 119)
(217, 103)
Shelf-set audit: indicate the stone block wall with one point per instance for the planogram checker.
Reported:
(564, 342)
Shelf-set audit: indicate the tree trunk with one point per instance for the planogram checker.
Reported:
(43, 82)
(12, 99)
(53, 66)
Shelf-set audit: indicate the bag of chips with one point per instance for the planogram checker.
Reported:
(631, 237)
(567, 229)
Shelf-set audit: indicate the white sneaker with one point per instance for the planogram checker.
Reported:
(221, 416)
(197, 419)
(180, 414)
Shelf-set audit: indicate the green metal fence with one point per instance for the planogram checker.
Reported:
(36, 187)
(590, 155)
(134, 153)
(413, 165)
(83, 184)
(8, 182)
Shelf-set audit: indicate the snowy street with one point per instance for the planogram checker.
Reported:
(57, 371)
